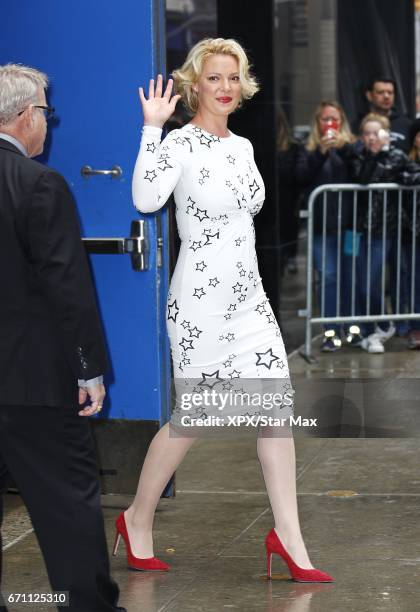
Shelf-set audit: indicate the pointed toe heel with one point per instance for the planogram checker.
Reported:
(273, 545)
(151, 564)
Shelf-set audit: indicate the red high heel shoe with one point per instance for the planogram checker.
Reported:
(273, 545)
(149, 564)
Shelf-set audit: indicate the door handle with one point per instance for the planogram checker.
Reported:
(114, 172)
(136, 246)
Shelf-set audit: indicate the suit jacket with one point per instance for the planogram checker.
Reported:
(50, 331)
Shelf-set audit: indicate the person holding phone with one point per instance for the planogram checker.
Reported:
(378, 162)
(319, 163)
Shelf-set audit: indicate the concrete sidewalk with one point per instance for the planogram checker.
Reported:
(359, 503)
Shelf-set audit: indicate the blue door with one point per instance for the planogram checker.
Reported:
(96, 55)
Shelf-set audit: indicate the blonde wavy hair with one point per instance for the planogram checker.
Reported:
(314, 139)
(187, 76)
(373, 117)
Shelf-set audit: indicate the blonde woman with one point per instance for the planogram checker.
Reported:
(320, 163)
(220, 323)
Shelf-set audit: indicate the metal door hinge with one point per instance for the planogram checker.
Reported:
(136, 245)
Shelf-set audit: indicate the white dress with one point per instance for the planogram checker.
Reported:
(220, 323)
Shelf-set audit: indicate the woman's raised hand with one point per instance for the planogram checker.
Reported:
(158, 108)
(330, 140)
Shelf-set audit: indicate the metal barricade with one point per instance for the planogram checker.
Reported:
(406, 205)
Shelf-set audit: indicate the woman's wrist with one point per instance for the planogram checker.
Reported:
(159, 126)
(152, 130)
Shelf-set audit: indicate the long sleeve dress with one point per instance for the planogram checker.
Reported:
(219, 320)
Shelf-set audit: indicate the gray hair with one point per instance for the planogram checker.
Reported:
(19, 87)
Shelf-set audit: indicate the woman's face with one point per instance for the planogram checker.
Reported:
(371, 137)
(218, 86)
(329, 117)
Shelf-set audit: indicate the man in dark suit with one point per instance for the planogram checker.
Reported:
(52, 353)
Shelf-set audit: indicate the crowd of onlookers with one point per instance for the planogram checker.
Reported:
(383, 146)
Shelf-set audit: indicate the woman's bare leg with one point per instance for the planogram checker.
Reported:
(163, 457)
(278, 463)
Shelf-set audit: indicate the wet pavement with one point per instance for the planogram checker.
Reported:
(359, 502)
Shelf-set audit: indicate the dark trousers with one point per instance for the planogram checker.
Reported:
(50, 455)
(374, 290)
(329, 276)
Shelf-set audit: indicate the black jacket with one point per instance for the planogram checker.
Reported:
(50, 332)
(392, 166)
(313, 169)
(289, 192)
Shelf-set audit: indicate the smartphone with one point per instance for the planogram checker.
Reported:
(331, 124)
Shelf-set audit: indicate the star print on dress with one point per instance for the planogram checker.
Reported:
(150, 175)
(208, 377)
(163, 164)
(205, 140)
(216, 306)
(201, 214)
(260, 309)
(195, 332)
(235, 374)
(253, 187)
(209, 237)
(200, 266)
(173, 311)
(189, 142)
(195, 245)
(191, 205)
(198, 293)
(187, 344)
(266, 359)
